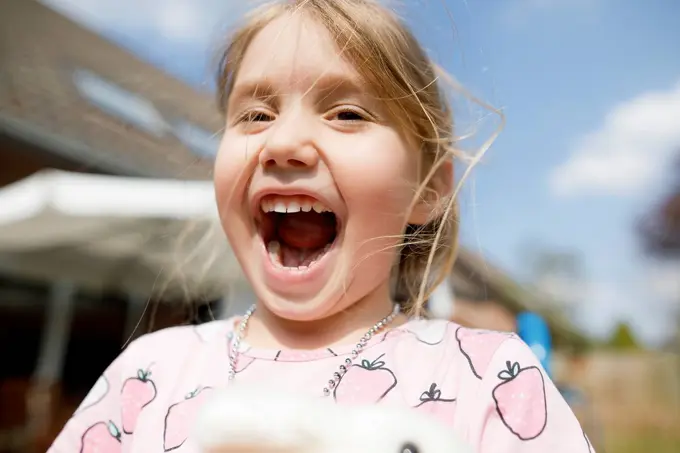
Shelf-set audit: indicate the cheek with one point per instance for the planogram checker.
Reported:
(379, 180)
(230, 170)
(377, 184)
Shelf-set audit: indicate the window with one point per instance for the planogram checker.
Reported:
(120, 103)
(142, 114)
(199, 140)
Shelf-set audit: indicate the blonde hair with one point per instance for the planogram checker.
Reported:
(391, 61)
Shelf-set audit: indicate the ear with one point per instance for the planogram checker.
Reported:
(431, 203)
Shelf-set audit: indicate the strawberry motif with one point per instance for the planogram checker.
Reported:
(431, 401)
(96, 394)
(180, 416)
(520, 400)
(102, 437)
(367, 382)
(433, 397)
(136, 394)
(478, 347)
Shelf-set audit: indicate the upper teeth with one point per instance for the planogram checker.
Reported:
(291, 204)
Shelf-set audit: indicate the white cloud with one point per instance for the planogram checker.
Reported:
(664, 282)
(628, 153)
(604, 304)
(598, 306)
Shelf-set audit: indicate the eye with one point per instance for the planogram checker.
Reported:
(255, 116)
(348, 114)
(409, 447)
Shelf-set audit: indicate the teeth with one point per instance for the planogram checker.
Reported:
(275, 255)
(274, 249)
(292, 204)
(318, 207)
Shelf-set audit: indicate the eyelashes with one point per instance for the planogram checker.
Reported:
(351, 114)
(344, 114)
(255, 116)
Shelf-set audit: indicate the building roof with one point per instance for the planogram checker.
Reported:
(496, 285)
(66, 88)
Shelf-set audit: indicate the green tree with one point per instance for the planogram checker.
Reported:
(623, 338)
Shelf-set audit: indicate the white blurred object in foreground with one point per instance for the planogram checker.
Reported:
(242, 419)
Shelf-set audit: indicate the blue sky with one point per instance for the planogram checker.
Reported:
(591, 91)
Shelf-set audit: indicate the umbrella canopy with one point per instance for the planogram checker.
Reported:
(143, 236)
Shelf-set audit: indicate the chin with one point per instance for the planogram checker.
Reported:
(313, 309)
(307, 295)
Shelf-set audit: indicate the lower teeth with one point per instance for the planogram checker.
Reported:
(275, 255)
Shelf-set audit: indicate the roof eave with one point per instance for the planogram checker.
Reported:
(71, 149)
(518, 299)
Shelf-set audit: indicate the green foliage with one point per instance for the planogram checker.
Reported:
(623, 338)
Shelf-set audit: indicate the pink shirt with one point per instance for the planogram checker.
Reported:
(488, 386)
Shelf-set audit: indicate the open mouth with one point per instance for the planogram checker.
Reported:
(296, 230)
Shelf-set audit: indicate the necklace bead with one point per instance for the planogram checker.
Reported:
(342, 369)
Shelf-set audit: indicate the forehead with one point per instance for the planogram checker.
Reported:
(294, 52)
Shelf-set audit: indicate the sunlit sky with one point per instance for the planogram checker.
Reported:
(591, 92)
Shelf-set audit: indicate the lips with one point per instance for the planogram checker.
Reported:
(296, 230)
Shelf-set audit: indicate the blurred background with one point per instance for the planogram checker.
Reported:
(571, 222)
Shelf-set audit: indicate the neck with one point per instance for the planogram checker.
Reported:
(267, 330)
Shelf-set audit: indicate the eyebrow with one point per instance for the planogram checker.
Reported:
(328, 84)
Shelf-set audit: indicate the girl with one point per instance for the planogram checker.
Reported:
(334, 185)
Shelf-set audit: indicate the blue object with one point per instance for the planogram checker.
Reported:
(534, 330)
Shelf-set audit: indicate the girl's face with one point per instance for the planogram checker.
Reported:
(312, 181)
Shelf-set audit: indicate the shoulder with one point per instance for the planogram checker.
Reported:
(472, 347)
(174, 342)
(470, 341)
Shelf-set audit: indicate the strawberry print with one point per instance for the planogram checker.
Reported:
(180, 416)
(365, 382)
(478, 347)
(432, 402)
(96, 394)
(102, 437)
(136, 394)
(520, 400)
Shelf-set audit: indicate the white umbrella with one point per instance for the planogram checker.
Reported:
(142, 236)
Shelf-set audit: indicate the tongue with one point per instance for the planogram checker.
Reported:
(306, 230)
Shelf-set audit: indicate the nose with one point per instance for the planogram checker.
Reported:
(290, 146)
